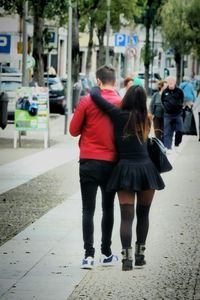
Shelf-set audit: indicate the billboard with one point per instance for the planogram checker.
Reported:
(32, 109)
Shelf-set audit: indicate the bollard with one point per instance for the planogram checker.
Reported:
(3, 109)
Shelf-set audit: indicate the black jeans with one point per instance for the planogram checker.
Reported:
(94, 174)
(173, 124)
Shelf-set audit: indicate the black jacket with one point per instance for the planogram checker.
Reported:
(156, 107)
(172, 101)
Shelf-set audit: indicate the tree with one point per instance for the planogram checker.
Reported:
(176, 31)
(193, 20)
(96, 12)
(150, 19)
(53, 9)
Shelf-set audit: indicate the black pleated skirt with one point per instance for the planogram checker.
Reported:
(134, 176)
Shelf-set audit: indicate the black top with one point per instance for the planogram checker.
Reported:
(172, 100)
(127, 147)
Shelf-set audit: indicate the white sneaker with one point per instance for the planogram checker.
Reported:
(108, 261)
(169, 151)
(87, 263)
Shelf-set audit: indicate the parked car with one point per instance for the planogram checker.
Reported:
(9, 83)
(154, 78)
(8, 69)
(57, 97)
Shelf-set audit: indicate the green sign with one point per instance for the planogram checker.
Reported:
(32, 109)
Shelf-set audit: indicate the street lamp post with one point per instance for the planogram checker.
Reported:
(68, 109)
(107, 31)
(24, 49)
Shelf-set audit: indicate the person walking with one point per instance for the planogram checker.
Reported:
(97, 159)
(134, 175)
(128, 81)
(188, 91)
(157, 110)
(172, 100)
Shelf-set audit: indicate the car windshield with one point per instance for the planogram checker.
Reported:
(5, 69)
(53, 83)
(10, 85)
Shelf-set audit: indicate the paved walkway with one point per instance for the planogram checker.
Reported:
(42, 262)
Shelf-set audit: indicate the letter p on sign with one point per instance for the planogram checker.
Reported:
(120, 40)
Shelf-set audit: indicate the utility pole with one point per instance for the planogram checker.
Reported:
(68, 109)
(108, 32)
(25, 46)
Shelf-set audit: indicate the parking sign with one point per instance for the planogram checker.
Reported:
(120, 40)
(5, 43)
(132, 40)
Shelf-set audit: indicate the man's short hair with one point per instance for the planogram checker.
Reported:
(171, 78)
(106, 74)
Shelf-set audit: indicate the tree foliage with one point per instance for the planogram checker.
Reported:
(51, 9)
(174, 25)
(150, 19)
(96, 12)
(181, 32)
(193, 20)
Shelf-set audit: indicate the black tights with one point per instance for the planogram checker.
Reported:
(127, 216)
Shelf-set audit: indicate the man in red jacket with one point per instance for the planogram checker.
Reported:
(97, 158)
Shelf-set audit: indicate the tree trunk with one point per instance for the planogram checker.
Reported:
(90, 46)
(38, 48)
(147, 56)
(75, 45)
(177, 58)
(102, 53)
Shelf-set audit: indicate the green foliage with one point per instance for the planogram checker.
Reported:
(193, 20)
(97, 10)
(12, 6)
(51, 9)
(175, 26)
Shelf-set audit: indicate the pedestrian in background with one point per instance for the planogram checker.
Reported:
(128, 81)
(134, 175)
(157, 110)
(172, 99)
(97, 159)
(188, 91)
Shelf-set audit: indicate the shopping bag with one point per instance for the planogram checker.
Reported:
(189, 125)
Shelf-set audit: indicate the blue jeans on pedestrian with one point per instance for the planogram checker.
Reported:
(93, 174)
(173, 124)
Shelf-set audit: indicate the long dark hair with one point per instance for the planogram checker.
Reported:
(135, 102)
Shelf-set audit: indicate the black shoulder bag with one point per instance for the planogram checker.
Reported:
(157, 153)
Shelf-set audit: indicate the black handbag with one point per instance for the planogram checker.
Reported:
(189, 126)
(157, 153)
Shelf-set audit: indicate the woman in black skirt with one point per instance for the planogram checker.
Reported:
(134, 174)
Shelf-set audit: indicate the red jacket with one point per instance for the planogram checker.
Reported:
(95, 128)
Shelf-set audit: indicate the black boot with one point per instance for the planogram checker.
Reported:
(139, 255)
(127, 259)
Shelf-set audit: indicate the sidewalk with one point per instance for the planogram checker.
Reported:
(20, 165)
(42, 262)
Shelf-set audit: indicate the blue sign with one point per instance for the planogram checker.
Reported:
(5, 43)
(132, 40)
(122, 40)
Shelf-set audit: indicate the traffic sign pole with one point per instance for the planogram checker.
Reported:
(25, 48)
